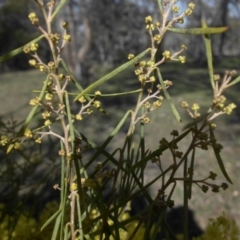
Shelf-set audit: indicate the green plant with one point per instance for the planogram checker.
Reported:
(222, 227)
(82, 189)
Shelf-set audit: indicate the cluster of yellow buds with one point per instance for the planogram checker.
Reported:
(228, 109)
(42, 67)
(61, 76)
(157, 104)
(89, 111)
(33, 18)
(67, 37)
(35, 101)
(146, 120)
(147, 105)
(97, 104)
(189, 11)
(33, 47)
(184, 104)
(82, 99)
(65, 25)
(33, 62)
(130, 56)
(168, 83)
(142, 69)
(73, 187)
(61, 153)
(28, 133)
(157, 38)
(55, 37)
(219, 101)
(152, 79)
(149, 24)
(98, 93)
(17, 145)
(175, 9)
(46, 115)
(51, 65)
(48, 96)
(195, 107)
(79, 117)
(47, 123)
(38, 140)
(182, 59)
(4, 140)
(167, 55)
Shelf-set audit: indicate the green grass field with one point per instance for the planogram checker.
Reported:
(190, 84)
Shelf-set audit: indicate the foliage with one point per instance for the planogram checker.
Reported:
(223, 227)
(27, 227)
(84, 211)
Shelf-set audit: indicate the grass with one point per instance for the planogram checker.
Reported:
(190, 84)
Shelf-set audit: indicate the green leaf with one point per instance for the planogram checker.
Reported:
(170, 102)
(119, 94)
(70, 120)
(235, 81)
(101, 150)
(160, 6)
(208, 46)
(219, 159)
(17, 51)
(56, 228)
(59, 7)
(198, 31)
(56, 214)
(190, 179)
(112, 74)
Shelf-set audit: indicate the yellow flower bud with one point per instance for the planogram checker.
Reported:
(48, 96)
(28, 133)
(195, 107)
(167, 55)
(79, 117)
(148, 19)
(130, 56)
(182, 59)
(67, 37)
(65, 25)
(47, 123)
(184, 104)
(82, 100)
(32, 62)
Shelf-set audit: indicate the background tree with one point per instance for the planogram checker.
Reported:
(106, 35)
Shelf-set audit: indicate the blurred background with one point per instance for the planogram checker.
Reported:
(106, 31)
(103, 34)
